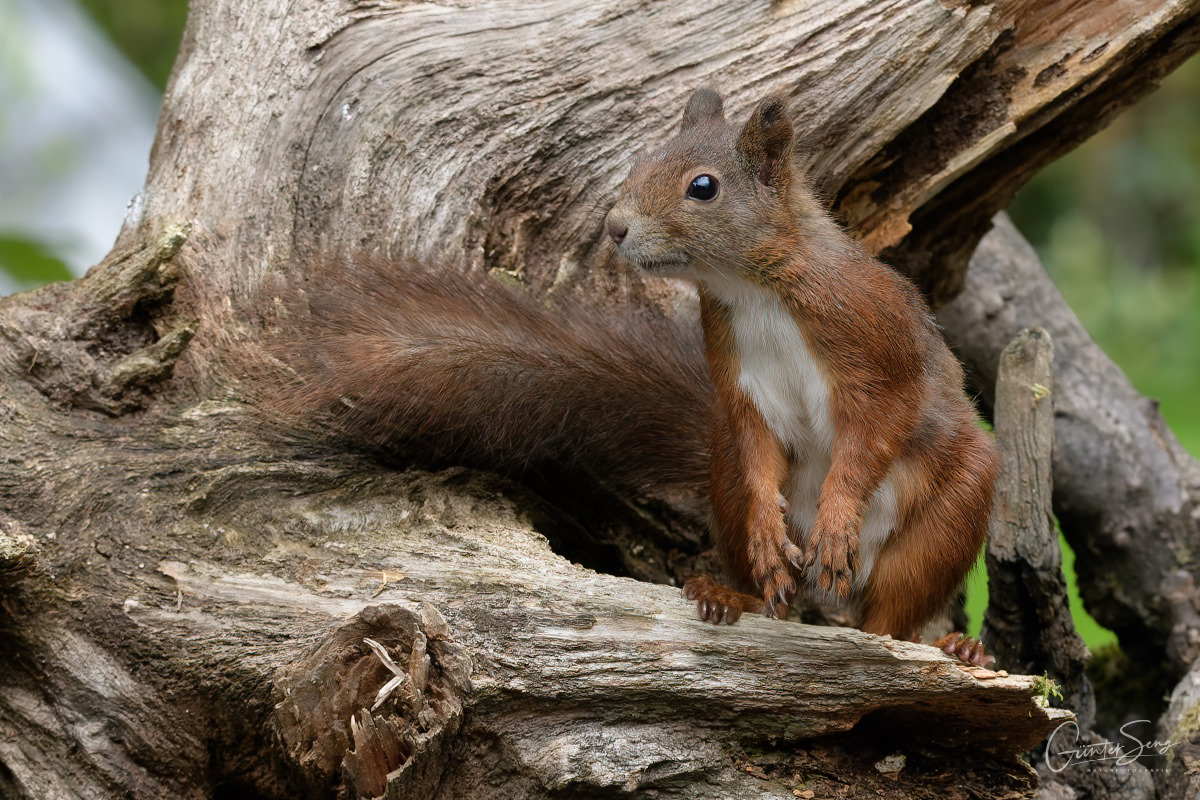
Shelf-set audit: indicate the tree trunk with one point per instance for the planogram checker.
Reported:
(186, 595)
(1126, 492)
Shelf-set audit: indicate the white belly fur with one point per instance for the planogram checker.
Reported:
(782, 378)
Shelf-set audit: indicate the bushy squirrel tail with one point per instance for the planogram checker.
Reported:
(461, 368)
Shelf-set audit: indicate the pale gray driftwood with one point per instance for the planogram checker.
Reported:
(1028, 625)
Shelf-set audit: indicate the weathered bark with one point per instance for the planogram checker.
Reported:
(194, 622)
(162, 681)
(495, 135)
(1058, 75)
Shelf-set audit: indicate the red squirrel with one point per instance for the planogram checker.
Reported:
(846, 457)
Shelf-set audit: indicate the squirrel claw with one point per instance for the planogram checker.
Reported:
(966, 649)
(716, 613)
(793, 553)
(838, 559)
(837, 582)
(777, 610)
(777, 595)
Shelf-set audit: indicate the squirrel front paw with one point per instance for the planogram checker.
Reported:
(837, 551)
(772, 556)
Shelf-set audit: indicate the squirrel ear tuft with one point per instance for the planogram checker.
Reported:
(703, 106)
(765, 144)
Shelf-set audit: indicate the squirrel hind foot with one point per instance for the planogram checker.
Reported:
(719, 604)
(966, 649)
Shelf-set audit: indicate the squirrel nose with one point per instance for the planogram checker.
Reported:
(618, 230)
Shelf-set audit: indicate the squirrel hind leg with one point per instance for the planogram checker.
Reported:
(965, 649)
(924, 561)
(719, 604)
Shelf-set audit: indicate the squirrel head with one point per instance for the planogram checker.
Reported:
(712, 197)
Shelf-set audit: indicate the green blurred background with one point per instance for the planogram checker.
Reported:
(1117, 223)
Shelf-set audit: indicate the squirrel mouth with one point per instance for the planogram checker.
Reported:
(661, 265)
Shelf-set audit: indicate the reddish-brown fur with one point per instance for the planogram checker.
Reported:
(895, 396)
(457, 367)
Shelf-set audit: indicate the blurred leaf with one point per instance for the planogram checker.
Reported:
(29, 263)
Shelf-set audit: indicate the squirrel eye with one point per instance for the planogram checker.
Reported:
(702, 187)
